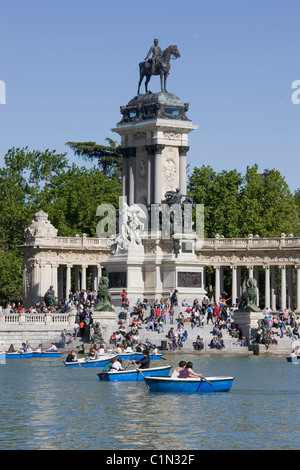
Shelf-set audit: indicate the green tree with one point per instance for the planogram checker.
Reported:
(31, 181)
(109, 156)
(220, 195)
(268, 206)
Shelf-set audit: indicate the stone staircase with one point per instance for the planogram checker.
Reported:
(284, 345)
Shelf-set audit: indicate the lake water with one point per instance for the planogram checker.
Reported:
(47, 406)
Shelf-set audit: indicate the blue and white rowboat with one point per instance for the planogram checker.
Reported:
(87, 362)
(137, 356)
(294, 359)
(207, 385)
(153, 357)
(134, 375)
(46, 354)
(19, 355)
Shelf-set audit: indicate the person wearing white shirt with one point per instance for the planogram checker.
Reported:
(52, 348)
(117, 366)
(178, 369)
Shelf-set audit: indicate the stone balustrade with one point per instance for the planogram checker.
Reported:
(38, 318)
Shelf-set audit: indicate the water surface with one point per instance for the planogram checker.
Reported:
(45, 405)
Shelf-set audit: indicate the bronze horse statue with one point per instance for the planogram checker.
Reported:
(162, 68)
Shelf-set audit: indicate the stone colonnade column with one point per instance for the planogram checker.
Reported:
(290, 288)
(273, 288)
(158, 148)
(83, 277)
(267, 287)
(128, 173)
(217, 284)
(68, 280)
(182, 168)
(234, 293)
(283, 287)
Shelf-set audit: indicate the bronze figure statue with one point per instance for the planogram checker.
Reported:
(159, 64)
(104, 304)
(155, 50)
(248, 299)
(97, 335)
(49, 297)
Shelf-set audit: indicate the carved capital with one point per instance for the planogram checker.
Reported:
(155, 148)
(183, 150)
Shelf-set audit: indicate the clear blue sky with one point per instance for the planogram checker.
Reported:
(68, 65)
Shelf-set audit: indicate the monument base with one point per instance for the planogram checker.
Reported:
(107, 322)
(247, 322)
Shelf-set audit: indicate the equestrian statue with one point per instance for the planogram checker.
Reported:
(158, 64)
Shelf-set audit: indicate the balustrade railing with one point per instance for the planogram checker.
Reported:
(38, 319)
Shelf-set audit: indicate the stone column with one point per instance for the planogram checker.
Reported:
(234, 285)
(83, 277)
(256, 277)
(128, 173)
(60, 282)
(239, 281)
(54, 278)
(290, 288)
(68, 280)
(158, 148)
(283, 287)
(77, 278)
(35, 282)
(267, 287)
(217, 284)
(182, 168)
(150, 173)
(221, 279)
(298, 288)
(250, 268)
(124, 172)
(273, 288)
(95, 278)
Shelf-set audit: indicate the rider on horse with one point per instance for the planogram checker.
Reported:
(155, 50)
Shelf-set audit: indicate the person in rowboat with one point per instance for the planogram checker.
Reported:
(52, 348)
(144, 362)
(188, 372)
(177, 370)
(71, 357)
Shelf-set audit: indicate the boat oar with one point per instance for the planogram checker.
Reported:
(205, 380)
(142, 376)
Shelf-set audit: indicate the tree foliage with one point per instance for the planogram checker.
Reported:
(236, 205)
(109, 157)
(31, 181)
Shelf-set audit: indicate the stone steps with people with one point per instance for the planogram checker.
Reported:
(205, 332)
(160, 339)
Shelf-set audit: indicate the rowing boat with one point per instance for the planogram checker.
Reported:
(46, 354)
(136, 356)
(88, 362)
(134, 375)
(169, 384)
(18, 355)
(295, 359)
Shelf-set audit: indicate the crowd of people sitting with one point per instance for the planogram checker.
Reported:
(80, 299)
(154, 318)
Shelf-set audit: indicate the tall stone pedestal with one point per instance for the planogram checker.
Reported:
(125, 271)
(107, 322)
(247, 321)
